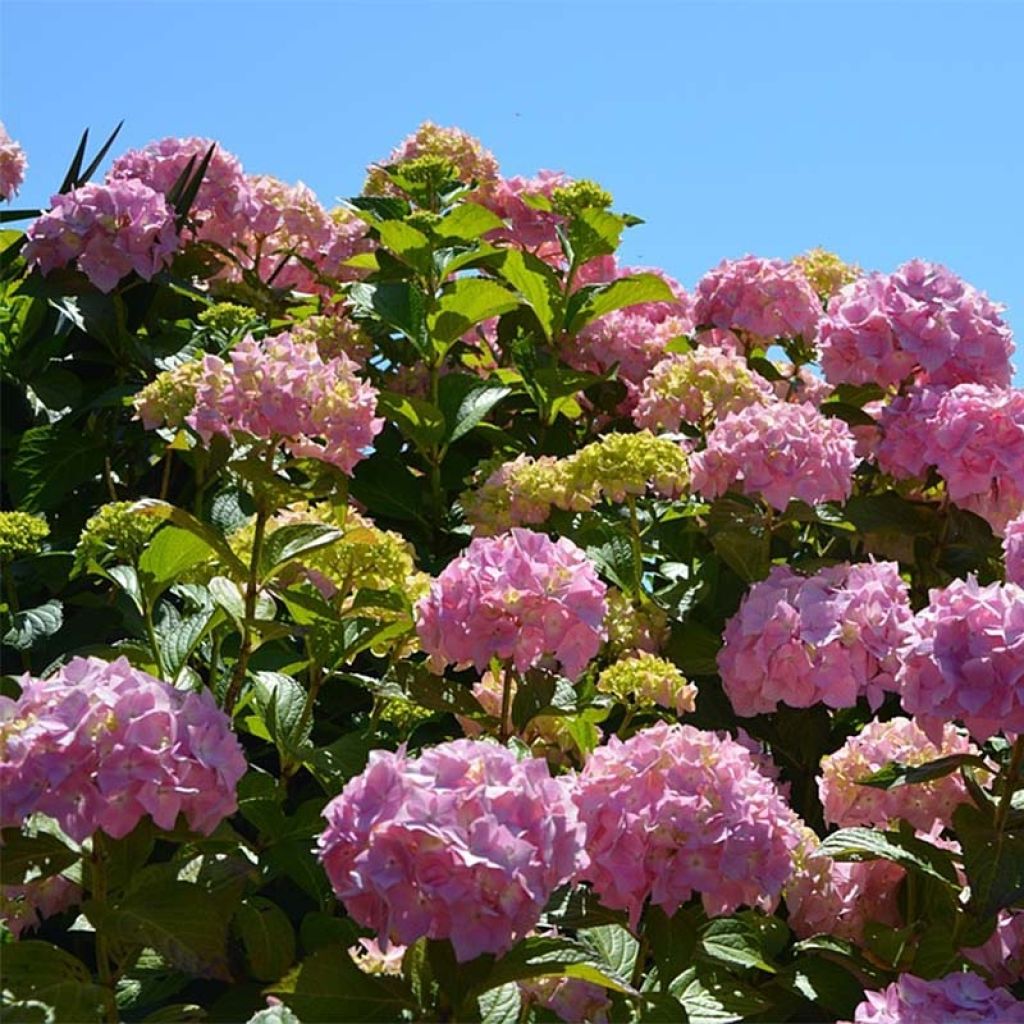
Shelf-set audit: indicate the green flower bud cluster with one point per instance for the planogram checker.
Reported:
(632, 628)
(117, 532)
(404, 715)
(21, 534)
(167, 400)
(227, 317)
(646, 680)
(571, 200)
(826, 272)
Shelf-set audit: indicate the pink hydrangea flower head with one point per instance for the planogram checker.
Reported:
(963, 997)
(12, 165)
(527, 226)
(517, 596)
(108, 230)
(829, 897)
(923, 804)
(282, 389)
(696, 387)
(464, 842)
(828, 638)
(779, 451)
(1002, 956)
(963, 659)
(763, 298)
(224, 205)
(972, 435)
(674, 810)
(466, 153)
(100, 745)
(1013, 548)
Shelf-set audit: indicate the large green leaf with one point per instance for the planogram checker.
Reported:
(858, 844)
(619, 294)
(735, 942)
(328, 988)
(417, 419)
(537, 283)
(51, 461)
(468, 221)
(186, 521)
(469, 301)
(615, 946)
(896, 774)
(396, 304)
(823, 983)
(465, 401)
(711, 996)
(30, 625)
(42, 974)
(289, 542)
(267, 937)
(993, 860)
(406, 242)
(170, 552)
(40, 856)
(593, 232)
(280, 701)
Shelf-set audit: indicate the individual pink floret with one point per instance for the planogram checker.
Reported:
(108, 230)
(674, 811)
(923, 804)
(518, 596)
(828, 638)
(12, 165)
(1013, 548)
(98, 746)
(962, 997)
(763, 298)
(779, 452)
(465, 842)
(963, 660)
(281, 390)
(224, 205)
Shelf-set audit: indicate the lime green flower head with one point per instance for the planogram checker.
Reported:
(117, 532)
(168, 399)
(826, 272)
(21, 534)
(569, 200)
(227, 317)
(619, 466)
(633, 629)
(647, 681)
(517, 493)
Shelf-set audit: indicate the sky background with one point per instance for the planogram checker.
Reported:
(880, 130)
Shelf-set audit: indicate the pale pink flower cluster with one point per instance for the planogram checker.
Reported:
(471, 160)
(1013, 548)
(108, 230)
(464, 842)
(673, 811)
(697, 386)
(292, 233)
(570, 999)
(1002, 956)
(12, 165)
(224, 205)
(962, 997)
(779, 451)
(922, 320)
(923, 804)
(972, 435)
(100, 745)
(517, 596)
(963, 659)
(279, 389)
(763, 298)
(828, 638)
(24, 907)
(829, 897)
(527, 227)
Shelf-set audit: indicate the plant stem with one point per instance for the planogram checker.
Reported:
(635, 544)
(1010, 784)
(505, 728)
(98, 881)
(147, 615)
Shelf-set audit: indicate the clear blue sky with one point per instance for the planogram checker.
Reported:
(880, 130)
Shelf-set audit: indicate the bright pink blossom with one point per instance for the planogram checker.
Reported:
(673, 811)
(100, 745)
(972, 435)
(764, 298)
(519, 596)
(1013, 548)
(779, 451)
(962, 997)
(281, 389)
(923, 804)
(963, 659)
(12, 165)
(224, 205)
(828, 638)
(528, 228)
(108, 230)
(465, 842)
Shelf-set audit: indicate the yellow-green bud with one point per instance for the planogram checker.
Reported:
(116, 532)
(570, 200)
(168, 399)
(21, 534)
(826, 272)
(619, 466)
(227, 317)
(646, 680)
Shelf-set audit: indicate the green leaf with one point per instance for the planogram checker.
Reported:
(293, 540)
(170, 552)
(993, 861)
(714, 997)
(387, 488)
(850, 414)
(34, 624)
(536, 283)
(267, 937)
(328, 987)
(397, 305)
(179, 517)
(895, 774)
(823, 983)
(736, 943)
(41, 974)
(619, 294)
(694, 648)
(661, 1008)
(468, 221)
(468, 301)
(859, 844)
(465, 401)
(747, 553)
(180, 920)
(673, 941)
(890, 512)
(50, 462)
(593, 232)
(501, 1005)
(410, 245)
(40, 856)
(417, 419)
(280, 702)
(335, 764)
(615, 946)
